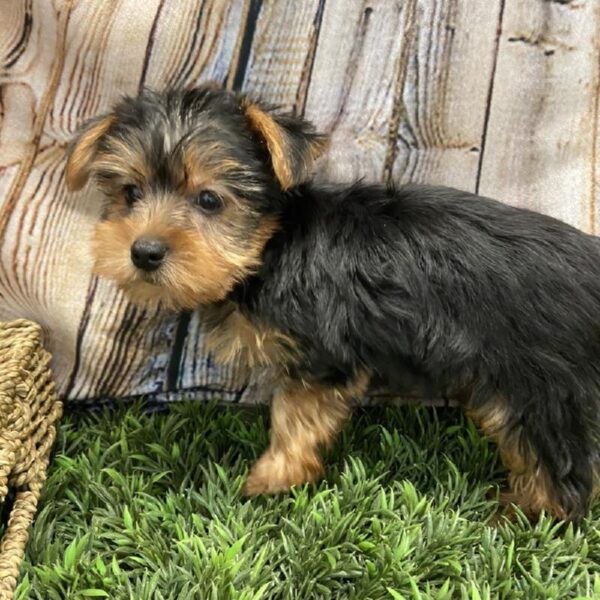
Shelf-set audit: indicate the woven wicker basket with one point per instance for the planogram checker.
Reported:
(29, 410)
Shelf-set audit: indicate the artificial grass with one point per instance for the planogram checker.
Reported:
(148, 506)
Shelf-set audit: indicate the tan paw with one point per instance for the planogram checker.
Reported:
(276, 472)
(508, 501)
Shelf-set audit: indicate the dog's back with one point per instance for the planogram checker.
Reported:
(463, 282)
(458, 293)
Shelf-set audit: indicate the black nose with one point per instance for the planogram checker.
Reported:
(148, 253)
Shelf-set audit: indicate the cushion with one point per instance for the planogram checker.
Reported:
(495, 98)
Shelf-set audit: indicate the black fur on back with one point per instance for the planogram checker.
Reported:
(445, 290)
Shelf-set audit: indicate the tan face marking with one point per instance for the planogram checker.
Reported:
(205, 257)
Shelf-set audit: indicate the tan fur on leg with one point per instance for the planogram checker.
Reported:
(529, 487)
(304, 418)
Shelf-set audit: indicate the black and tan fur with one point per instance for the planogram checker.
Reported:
(331, 287)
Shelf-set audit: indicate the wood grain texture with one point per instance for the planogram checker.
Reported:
(413, 80)
(280, 61)
(499, 96)
(441, 107)
(360, 56)
(542, 129)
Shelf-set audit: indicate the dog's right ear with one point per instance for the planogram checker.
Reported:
(82, 150)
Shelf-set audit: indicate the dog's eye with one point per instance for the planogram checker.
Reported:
(208, 201)
(132, 193)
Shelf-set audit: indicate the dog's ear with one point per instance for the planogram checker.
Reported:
(82, 150)
(292, 142)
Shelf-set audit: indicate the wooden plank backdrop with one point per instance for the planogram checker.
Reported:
(499, 97)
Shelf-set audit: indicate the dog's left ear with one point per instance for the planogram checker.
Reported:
(292, 142)
(82, 151)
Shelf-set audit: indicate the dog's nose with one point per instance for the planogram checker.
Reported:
(148, 253)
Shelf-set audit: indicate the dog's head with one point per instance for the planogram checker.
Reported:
(193, 182)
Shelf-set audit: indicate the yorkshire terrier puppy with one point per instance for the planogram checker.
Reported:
(209, 203)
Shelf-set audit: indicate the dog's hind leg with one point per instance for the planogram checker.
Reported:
(304, 418)
(546, 451)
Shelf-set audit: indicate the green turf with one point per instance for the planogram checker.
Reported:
(149, 506)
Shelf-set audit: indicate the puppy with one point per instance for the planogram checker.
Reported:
(209, 204)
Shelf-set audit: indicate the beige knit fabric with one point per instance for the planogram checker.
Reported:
(29, 410)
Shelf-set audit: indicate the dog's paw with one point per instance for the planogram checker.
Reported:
(275, 472)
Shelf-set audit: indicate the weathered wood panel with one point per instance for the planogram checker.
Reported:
(31, 68)
(498, 96)
(203, 41)
(444, 94)
(542, 129)
(282, 52)
(413, 82)
(361, 57)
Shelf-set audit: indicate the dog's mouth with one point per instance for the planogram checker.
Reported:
(150, 278)
(151, 289)
(148, 290)
(140, 287)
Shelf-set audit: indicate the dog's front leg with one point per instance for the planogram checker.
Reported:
(304, 418)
